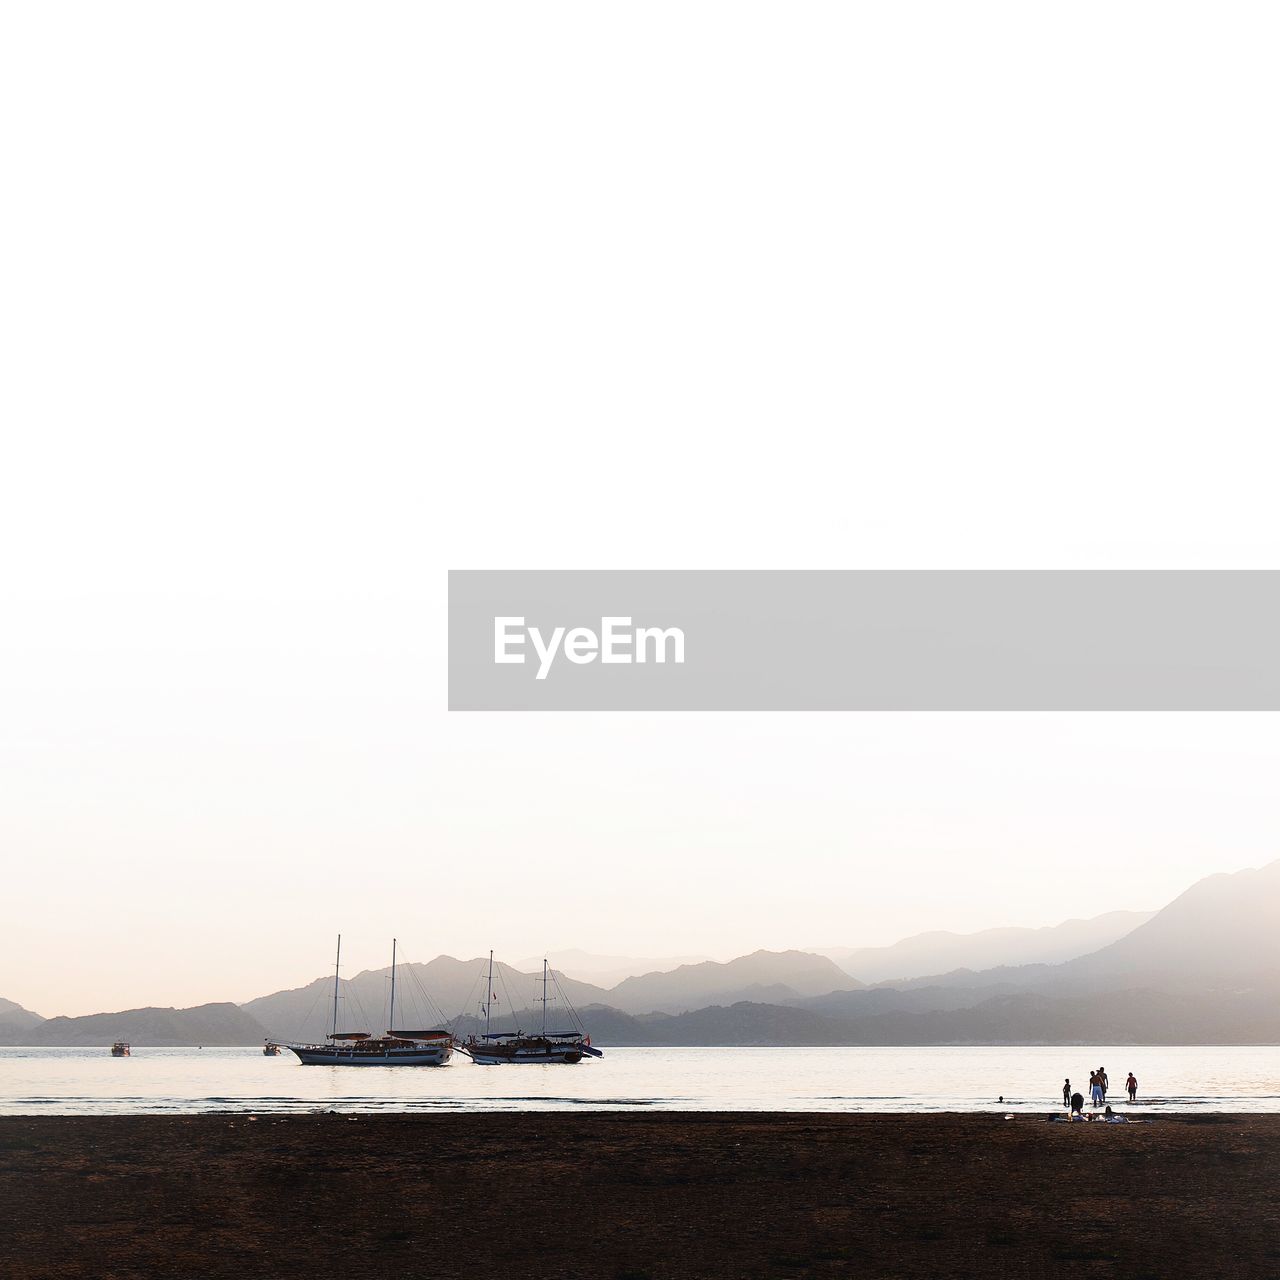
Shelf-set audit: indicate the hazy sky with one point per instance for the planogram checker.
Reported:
(301, 309)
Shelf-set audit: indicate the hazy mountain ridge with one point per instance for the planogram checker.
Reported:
(604, 971)
(1140, 1016)
(1133, 1016)
(216, 1024)
(1205, 969)
(786, 974)
(941, 951)
(14, 1018)
(1223, 925)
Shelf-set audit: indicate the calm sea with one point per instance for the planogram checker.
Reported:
(1183, 1079)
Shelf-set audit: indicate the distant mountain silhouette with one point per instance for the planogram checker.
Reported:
(14, 1018)
(605, 971)
(1139, 1016)
(1132, 1016)
(206, 1024)
(748, 1024)
(941, 951)
(745, 1023)
(1204, 970)
(1225, 925)
(780, 974)
(925, 997)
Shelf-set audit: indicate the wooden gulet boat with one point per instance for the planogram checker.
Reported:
(502, 1048)
(360, 1049)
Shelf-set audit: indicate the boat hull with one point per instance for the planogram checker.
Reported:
(490, 1056)
(419, 1056)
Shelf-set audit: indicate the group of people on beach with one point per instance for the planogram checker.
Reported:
(1098, 1086)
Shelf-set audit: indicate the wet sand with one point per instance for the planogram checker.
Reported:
(619, 1196)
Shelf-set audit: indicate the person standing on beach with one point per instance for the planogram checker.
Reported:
(1131, 1084)
(1095, 1089)
(1103, 1081)
(1066, 1093)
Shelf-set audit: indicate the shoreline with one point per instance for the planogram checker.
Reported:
(652, 1194)
(1169, 1043)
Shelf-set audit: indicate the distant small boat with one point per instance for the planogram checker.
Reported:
(270, 1050)
(360, 1049)
(121, 1049)
(500, 1048)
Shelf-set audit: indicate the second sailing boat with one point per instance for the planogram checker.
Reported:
(496, 1048)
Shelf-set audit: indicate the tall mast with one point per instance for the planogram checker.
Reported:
(337, 962)
(392, 1016)
(488, 995)
(544, 997)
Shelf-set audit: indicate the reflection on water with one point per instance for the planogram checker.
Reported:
(1179, 1079)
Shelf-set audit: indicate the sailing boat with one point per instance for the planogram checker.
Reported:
(360, 1049)
(495, 1048)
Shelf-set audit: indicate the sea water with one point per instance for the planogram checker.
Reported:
(1172, 1080)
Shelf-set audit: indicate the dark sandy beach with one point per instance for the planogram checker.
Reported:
(622, 1195)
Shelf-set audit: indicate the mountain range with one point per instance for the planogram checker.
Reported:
(14, 1019)
(940, 951)
(206, 1024)
(1205, 969)
(605, 971)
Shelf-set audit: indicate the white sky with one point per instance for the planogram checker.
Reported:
(302, 306)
